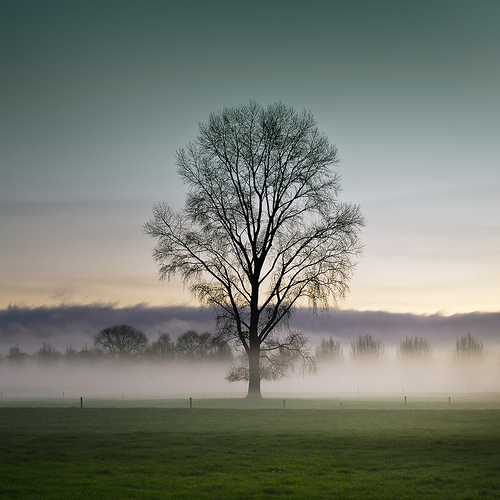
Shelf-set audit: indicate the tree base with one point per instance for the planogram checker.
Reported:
(253, 395)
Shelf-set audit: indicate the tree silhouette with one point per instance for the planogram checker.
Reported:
(70, 354)
(329, 351)
(163, 348)
(262, 229)
(16, 355)
(366, 348)
(414, 348)
(47, 353)
(121, 342)
(468, 348)
(192, 345)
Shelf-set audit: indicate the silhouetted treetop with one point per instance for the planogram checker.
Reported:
(329, 351)
(121, 342)
(468, 348)
(366, 348)
(414, 347)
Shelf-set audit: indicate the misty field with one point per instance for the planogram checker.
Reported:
(232, 448)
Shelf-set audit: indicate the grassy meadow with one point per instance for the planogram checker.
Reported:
(350, 447)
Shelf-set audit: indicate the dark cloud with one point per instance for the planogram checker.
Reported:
(392, 327)
(77, 324)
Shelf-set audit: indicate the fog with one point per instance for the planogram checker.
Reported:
(150, 380)
(139, 380)
(76, 325)
(399, 376)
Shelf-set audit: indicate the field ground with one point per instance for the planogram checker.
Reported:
(347, 446)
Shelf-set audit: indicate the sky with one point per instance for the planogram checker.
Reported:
(97, 96)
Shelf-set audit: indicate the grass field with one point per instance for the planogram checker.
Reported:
(229, 448)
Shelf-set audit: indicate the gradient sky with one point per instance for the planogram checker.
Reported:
(96, 96)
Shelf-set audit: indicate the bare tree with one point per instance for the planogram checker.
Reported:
(48, 353)
(366, 348)
(70, 354)
(192, 345)
(92, 355)
(16, 355)
(220, 350)
(329, 351)
(414, 348)
(84, 355)
(163, 348)
(263, 229)
(468, 348)
(121, 342)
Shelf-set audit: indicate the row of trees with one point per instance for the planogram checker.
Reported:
(121, 343)
(366, 348)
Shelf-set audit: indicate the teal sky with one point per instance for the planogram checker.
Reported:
(96, 96)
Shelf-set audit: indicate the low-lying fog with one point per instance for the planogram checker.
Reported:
(153, 380)
(65, 326)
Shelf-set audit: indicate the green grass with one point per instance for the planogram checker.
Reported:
(234, 450)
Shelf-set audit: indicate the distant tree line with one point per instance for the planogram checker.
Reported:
(123, 343)
(366, 348)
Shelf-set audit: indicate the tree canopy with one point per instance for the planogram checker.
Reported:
(414, 348)
(469, 348)
(263, 229)
(329, 351)
(366, 348)
(121, 342)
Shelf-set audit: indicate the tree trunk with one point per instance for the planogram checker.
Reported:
(254, 373)
(253, 339)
